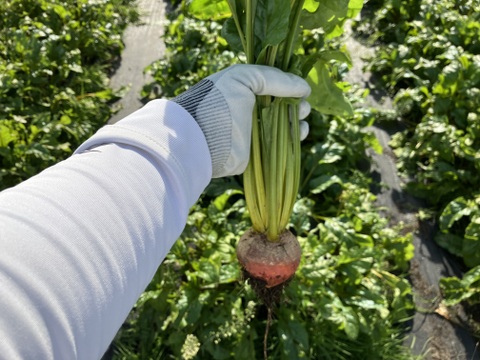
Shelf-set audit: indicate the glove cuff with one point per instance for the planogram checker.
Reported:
(210, 110)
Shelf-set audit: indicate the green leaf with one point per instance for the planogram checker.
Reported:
(471, 243)
(345, 317)
(271, 21)
(299, 332)
(208, 270)
(325, 14)
(374, 143)
(325, 56)
(302, 211)
(451, 242)
(61, 11)
(472, 278)
(456, 290)
(454, 211)
(326, 97)
(230, 33)
(370, 300)
(294, 335)
(221, 200)
(209, 9)
(194, 311)
(354, 8)
(245, 349)
(323, 182)
(351, 324)
(6, 136)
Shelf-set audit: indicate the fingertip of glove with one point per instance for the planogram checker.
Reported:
(304, 87)
(304, 109)
(304, 130)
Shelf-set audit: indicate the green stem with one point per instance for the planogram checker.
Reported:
(283, 173)
(250, 13)
(306, 179)
(272, 55)
(273, 205)
(292, 177)
(257, 167)
(272, 176)
(297, 152)
(292, 34)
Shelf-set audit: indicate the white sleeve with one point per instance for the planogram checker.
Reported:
(80, 241)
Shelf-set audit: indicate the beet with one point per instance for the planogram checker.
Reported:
(273, 262)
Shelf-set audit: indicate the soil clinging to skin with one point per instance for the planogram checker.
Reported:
(272, 263)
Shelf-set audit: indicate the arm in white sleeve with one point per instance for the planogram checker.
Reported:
(80, 241)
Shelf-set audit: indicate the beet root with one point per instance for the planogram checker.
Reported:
(272, 262)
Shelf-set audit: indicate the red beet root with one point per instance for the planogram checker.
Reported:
(272, 262)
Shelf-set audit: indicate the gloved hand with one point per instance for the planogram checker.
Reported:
(222, 104)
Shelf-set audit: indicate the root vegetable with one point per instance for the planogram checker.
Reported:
(272, 262)
(268, 252)
(268, 33)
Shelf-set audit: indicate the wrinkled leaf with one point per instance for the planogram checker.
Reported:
(326, 97)
(271, 22)
(454, 211)
(230, 33)
(451, 242)
(325, 56)
(325, 14)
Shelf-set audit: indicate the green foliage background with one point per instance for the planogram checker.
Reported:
(55, 58)
(428, 58)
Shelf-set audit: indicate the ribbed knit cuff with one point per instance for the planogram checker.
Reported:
(209, 108)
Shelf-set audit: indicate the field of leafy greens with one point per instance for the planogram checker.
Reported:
(428, 59)
(55, 61)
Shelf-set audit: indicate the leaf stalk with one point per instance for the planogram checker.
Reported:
(272, 177)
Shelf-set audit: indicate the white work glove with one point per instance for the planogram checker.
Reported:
(222, 104)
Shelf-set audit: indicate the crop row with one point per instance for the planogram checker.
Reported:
(55, 58)
(428, 59)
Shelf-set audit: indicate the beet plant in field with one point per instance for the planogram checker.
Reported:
(271, 33)
(348, 299)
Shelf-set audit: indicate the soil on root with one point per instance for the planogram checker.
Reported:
(269, 296)
(273, 262)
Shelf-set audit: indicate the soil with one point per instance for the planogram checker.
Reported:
(143, 45)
